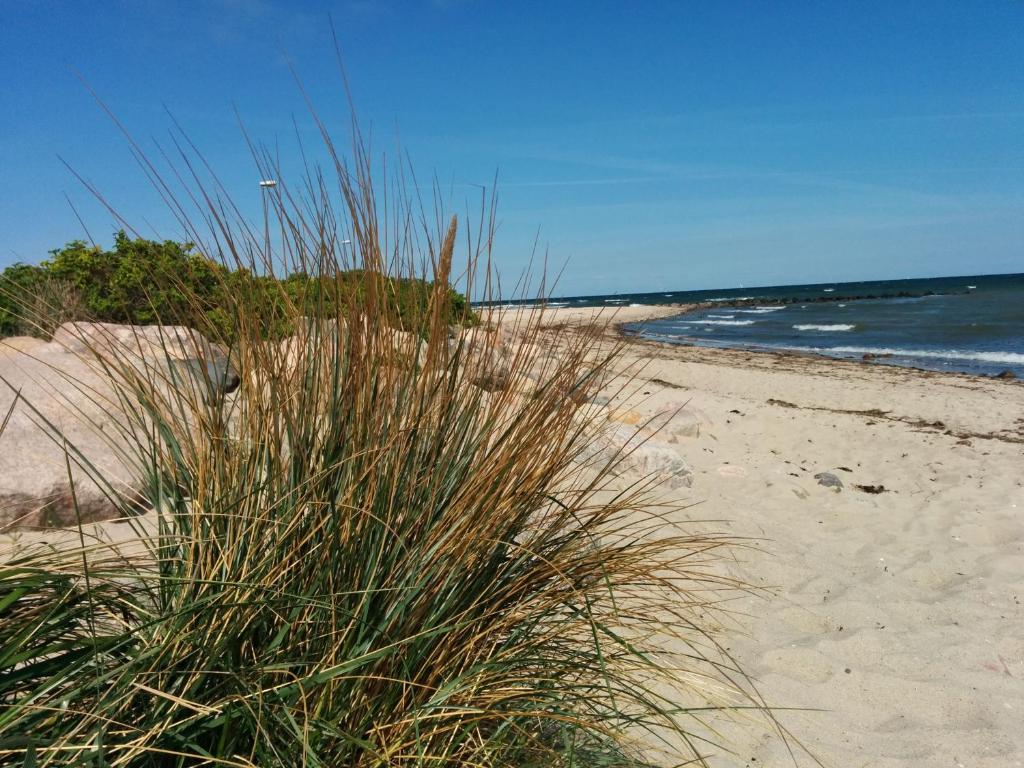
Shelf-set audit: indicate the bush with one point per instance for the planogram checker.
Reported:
(143, 282)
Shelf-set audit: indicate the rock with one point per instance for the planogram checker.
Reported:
(673, 422)
(66, 409)
(660, 460)
(592, 413)
(1007, 374)
(627, 417)
(639, 457)
(829, 480)
(65, 390)
(731, 470)
(174, 352)
(409, 347)
(485, 357)
(686, 423)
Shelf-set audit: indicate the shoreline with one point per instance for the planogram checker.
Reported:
(873, 360)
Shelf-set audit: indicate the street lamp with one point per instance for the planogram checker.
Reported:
(265, 185)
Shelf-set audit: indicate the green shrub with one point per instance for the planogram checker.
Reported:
(143, 282)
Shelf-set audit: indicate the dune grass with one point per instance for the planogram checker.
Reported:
(359, 557)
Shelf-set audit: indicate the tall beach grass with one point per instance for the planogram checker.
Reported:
(371, 553)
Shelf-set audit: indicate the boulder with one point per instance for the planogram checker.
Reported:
(68, 452)
(661, 461)
(48, 396)
(172, 353)
(640, 456)
(485, 357)
(671, 423)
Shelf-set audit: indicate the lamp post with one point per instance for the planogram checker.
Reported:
(265, 186)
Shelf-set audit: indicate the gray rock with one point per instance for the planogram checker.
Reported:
(829, 480)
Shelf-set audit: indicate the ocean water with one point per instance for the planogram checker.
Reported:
(971, 324)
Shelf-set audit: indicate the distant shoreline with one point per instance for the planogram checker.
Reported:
(869, 354)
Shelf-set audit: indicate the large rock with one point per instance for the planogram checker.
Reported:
(671, 423)
(50, 396)
(68, 452)
(171, 353)
(639, 455)
(485, 356)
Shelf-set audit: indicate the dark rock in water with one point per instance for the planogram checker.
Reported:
(829, 480)
(1007, 374)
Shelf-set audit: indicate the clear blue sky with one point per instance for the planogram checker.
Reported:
(653, 145)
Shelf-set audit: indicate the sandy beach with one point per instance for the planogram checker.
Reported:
(889, 614)
(894, 616)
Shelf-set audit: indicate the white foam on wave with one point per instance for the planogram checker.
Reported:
(721, 317)
(1012, 358)
(828, 290)
(719, 322)
(972, 286)
(732, 298)
(831, 327)
(759, 310)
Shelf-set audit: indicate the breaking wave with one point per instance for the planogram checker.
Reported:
(719, 322)
(833, 327)
(1010, 358)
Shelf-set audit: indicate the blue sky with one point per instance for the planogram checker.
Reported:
(652, 145)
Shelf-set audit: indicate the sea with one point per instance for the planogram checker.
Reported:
(969, 324)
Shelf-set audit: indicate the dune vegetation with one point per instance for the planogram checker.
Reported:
(364, 555)
(139, 281)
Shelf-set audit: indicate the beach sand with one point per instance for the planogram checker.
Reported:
(894, 618)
